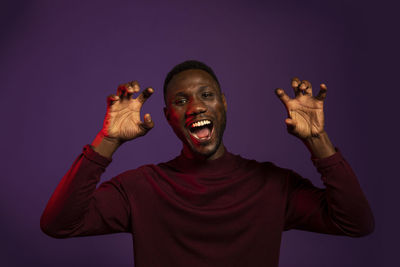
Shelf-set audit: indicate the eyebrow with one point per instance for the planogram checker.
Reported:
(180, 94)
(184, 94)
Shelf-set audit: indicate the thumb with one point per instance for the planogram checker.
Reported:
(290, 124)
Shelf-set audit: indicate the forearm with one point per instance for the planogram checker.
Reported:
(67, 206)
(341, 208)
(347, 205)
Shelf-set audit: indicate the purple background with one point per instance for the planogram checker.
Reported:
(60, 59)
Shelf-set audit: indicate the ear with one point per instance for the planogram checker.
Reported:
(224, 101)
(166, 113)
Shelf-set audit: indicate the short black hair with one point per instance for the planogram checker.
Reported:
(189, 65)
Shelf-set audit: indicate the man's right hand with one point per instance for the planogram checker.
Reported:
(122, 121)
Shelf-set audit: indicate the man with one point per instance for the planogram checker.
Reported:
(206, 207)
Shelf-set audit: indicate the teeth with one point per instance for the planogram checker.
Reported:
(201, 123)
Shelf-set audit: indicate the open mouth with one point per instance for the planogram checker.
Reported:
(201, 130)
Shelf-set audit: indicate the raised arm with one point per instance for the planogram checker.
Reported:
(341, 208)
(76, 207)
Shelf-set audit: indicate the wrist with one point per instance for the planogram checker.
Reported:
(104, 145)
(320, 145)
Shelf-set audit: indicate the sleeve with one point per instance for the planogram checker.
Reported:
(341, 208)
(77, 208)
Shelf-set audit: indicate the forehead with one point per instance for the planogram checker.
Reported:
(189, 79)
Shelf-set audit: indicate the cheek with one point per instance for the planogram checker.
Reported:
(174, 118)
(221, 112)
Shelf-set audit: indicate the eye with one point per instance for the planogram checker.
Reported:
(207, 94)
(180, 101)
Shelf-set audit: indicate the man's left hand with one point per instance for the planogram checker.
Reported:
(305, 111)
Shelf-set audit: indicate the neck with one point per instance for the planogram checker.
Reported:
(190, 154)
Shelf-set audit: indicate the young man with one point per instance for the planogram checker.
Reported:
(206, 207)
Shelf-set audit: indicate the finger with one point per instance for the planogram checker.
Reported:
(147, 123)
(125, 91)
(295, 84)
(111, 99)
(290, 121)
(121, 91)
(282, 95)
(306, 88)
(145, 95)
(133, 87)
(129, 92)
(322, 92)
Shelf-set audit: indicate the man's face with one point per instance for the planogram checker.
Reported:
(196, 110)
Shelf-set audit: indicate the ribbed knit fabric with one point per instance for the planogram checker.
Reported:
(226, 212)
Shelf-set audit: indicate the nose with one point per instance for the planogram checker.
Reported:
(196, 107)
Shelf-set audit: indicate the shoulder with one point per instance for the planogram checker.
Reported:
(266, 166)
(265, 169)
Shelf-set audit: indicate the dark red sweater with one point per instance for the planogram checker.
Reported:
(226, 212)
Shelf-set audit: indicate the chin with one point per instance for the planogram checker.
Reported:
(204, 150)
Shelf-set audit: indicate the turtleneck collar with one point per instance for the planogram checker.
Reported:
(225, 163)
